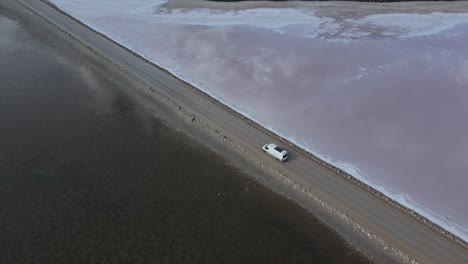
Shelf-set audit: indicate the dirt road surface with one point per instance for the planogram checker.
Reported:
(396, 227)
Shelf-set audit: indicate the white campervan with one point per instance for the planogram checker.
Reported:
(275, 151)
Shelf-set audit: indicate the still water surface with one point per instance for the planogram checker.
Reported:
(89, 176)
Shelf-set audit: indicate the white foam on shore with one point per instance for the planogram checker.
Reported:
(400, 25)
(415, 25)
(261, 17)
(394, 25)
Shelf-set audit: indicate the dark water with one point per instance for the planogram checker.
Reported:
(89, 176)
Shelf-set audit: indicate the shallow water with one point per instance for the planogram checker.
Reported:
(87, 175)
(378, 90)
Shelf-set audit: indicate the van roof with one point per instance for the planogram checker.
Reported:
(278, 149)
